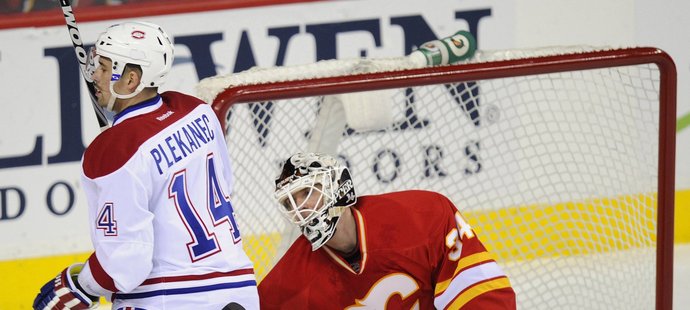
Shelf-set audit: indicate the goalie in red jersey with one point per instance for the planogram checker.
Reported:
(402, 250)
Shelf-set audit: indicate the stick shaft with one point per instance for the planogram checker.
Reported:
(80, 52)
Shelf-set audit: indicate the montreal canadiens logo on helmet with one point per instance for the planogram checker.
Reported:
(138, 34)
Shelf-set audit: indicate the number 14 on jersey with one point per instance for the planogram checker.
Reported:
(204, 243)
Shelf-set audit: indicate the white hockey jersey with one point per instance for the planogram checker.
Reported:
(158, 185)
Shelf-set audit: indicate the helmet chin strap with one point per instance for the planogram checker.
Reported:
(111, 103)
(114, 95)
(336, 211)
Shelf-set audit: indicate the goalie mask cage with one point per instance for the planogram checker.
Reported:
(562, 161)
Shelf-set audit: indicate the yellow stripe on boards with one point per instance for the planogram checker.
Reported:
(23, 278)
(525, 232)
(565, 229)
(681, 229)
(262, 250)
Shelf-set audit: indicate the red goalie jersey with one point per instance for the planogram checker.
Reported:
(416, 252)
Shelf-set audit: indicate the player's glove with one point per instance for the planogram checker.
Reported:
(63, 293)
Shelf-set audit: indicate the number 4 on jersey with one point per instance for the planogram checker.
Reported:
(106, 220)
(203, 243)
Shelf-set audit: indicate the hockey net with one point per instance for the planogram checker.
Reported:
(560, 158)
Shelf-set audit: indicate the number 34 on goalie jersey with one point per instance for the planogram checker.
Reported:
(453, 238)
(204, 242)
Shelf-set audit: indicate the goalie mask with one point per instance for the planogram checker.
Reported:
(137, 43)
(313, 190)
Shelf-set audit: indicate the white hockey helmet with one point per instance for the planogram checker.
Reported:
(306, 174)
(139, 43)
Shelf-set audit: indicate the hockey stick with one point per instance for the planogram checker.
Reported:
(81, 54)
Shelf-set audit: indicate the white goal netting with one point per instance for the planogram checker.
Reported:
(557, 169)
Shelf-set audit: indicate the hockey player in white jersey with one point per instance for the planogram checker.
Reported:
(158, 184)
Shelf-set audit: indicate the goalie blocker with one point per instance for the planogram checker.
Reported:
(372, 110)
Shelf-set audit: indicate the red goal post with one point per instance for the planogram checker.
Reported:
(562, 160)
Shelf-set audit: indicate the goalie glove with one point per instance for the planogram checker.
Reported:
(64, 293)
